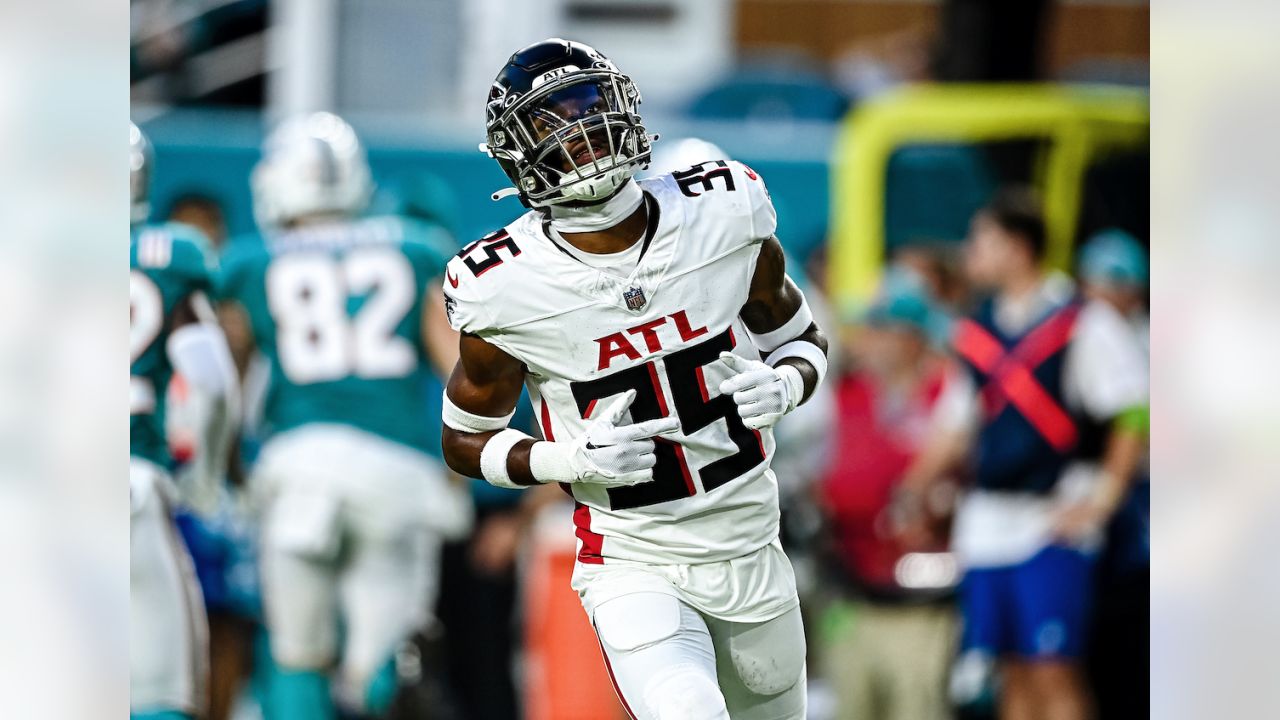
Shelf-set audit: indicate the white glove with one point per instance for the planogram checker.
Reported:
(762, 392)
(606, 454)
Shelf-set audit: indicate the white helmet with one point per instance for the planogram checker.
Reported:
(139, 175)
(310, 164)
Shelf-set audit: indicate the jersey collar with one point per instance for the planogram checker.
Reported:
(660, 239)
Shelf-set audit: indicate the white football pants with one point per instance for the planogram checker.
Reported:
(352, 530)
(168, 631)
(670, 662)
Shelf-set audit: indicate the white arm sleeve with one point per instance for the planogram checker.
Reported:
(791, 329)
(463, 421)
(199, 353)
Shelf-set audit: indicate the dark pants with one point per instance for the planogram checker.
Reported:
(477, 611)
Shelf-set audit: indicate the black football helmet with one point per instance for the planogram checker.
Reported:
(561, 122)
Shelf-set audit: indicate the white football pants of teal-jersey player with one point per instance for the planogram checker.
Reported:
(354, 507)
(171, 328)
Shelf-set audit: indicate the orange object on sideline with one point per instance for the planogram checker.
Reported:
(565, 676)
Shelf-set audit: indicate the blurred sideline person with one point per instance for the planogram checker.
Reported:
(936, 266)
(890, 641)
(637, 315)
(171, 329)
(1055, 409)
(218, 551)
(354, 507)
(1113, 268)
(203, 213)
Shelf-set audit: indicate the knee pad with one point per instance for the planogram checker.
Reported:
(685, 692)
(769, 657)
(304, 523)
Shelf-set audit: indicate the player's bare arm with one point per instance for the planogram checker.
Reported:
(773, 301)
(479, 402)
(1126, 444)
(440, 341)
(486, 383)
(239, 333)
(793, 346)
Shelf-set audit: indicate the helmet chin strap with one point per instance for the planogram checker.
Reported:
(592, 218)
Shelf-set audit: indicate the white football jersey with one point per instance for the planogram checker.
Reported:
(587, 336)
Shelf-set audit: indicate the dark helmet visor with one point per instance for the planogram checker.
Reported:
(567, 105)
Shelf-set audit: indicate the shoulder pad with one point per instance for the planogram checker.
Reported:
(240, 256)
(180, 249)
(723, 207)
(732, 189)
(472, 280)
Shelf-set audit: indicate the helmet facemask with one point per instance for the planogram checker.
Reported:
(574, 139)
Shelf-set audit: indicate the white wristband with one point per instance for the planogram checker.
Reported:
(549, 462)
(493, 458)
(804, 350)
(790, 330)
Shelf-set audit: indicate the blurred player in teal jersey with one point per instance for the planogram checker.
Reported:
(171, 328)
(345, 311)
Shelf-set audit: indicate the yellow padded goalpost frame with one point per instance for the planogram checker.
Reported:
(1080, 123)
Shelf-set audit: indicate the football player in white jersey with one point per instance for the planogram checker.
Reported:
(660, 339)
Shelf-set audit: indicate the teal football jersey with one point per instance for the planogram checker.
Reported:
(337, 310)
(167, 263)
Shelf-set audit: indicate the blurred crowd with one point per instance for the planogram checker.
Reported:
(942, 597)
(904, 620)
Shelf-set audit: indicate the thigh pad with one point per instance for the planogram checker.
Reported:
(635, 621)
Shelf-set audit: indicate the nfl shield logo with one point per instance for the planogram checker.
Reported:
(634, 297)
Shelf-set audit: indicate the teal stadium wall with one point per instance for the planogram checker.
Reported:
(212, 153)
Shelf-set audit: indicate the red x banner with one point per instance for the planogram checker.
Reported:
(1010, 374)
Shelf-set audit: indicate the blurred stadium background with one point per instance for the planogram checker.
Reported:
(881, 127)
